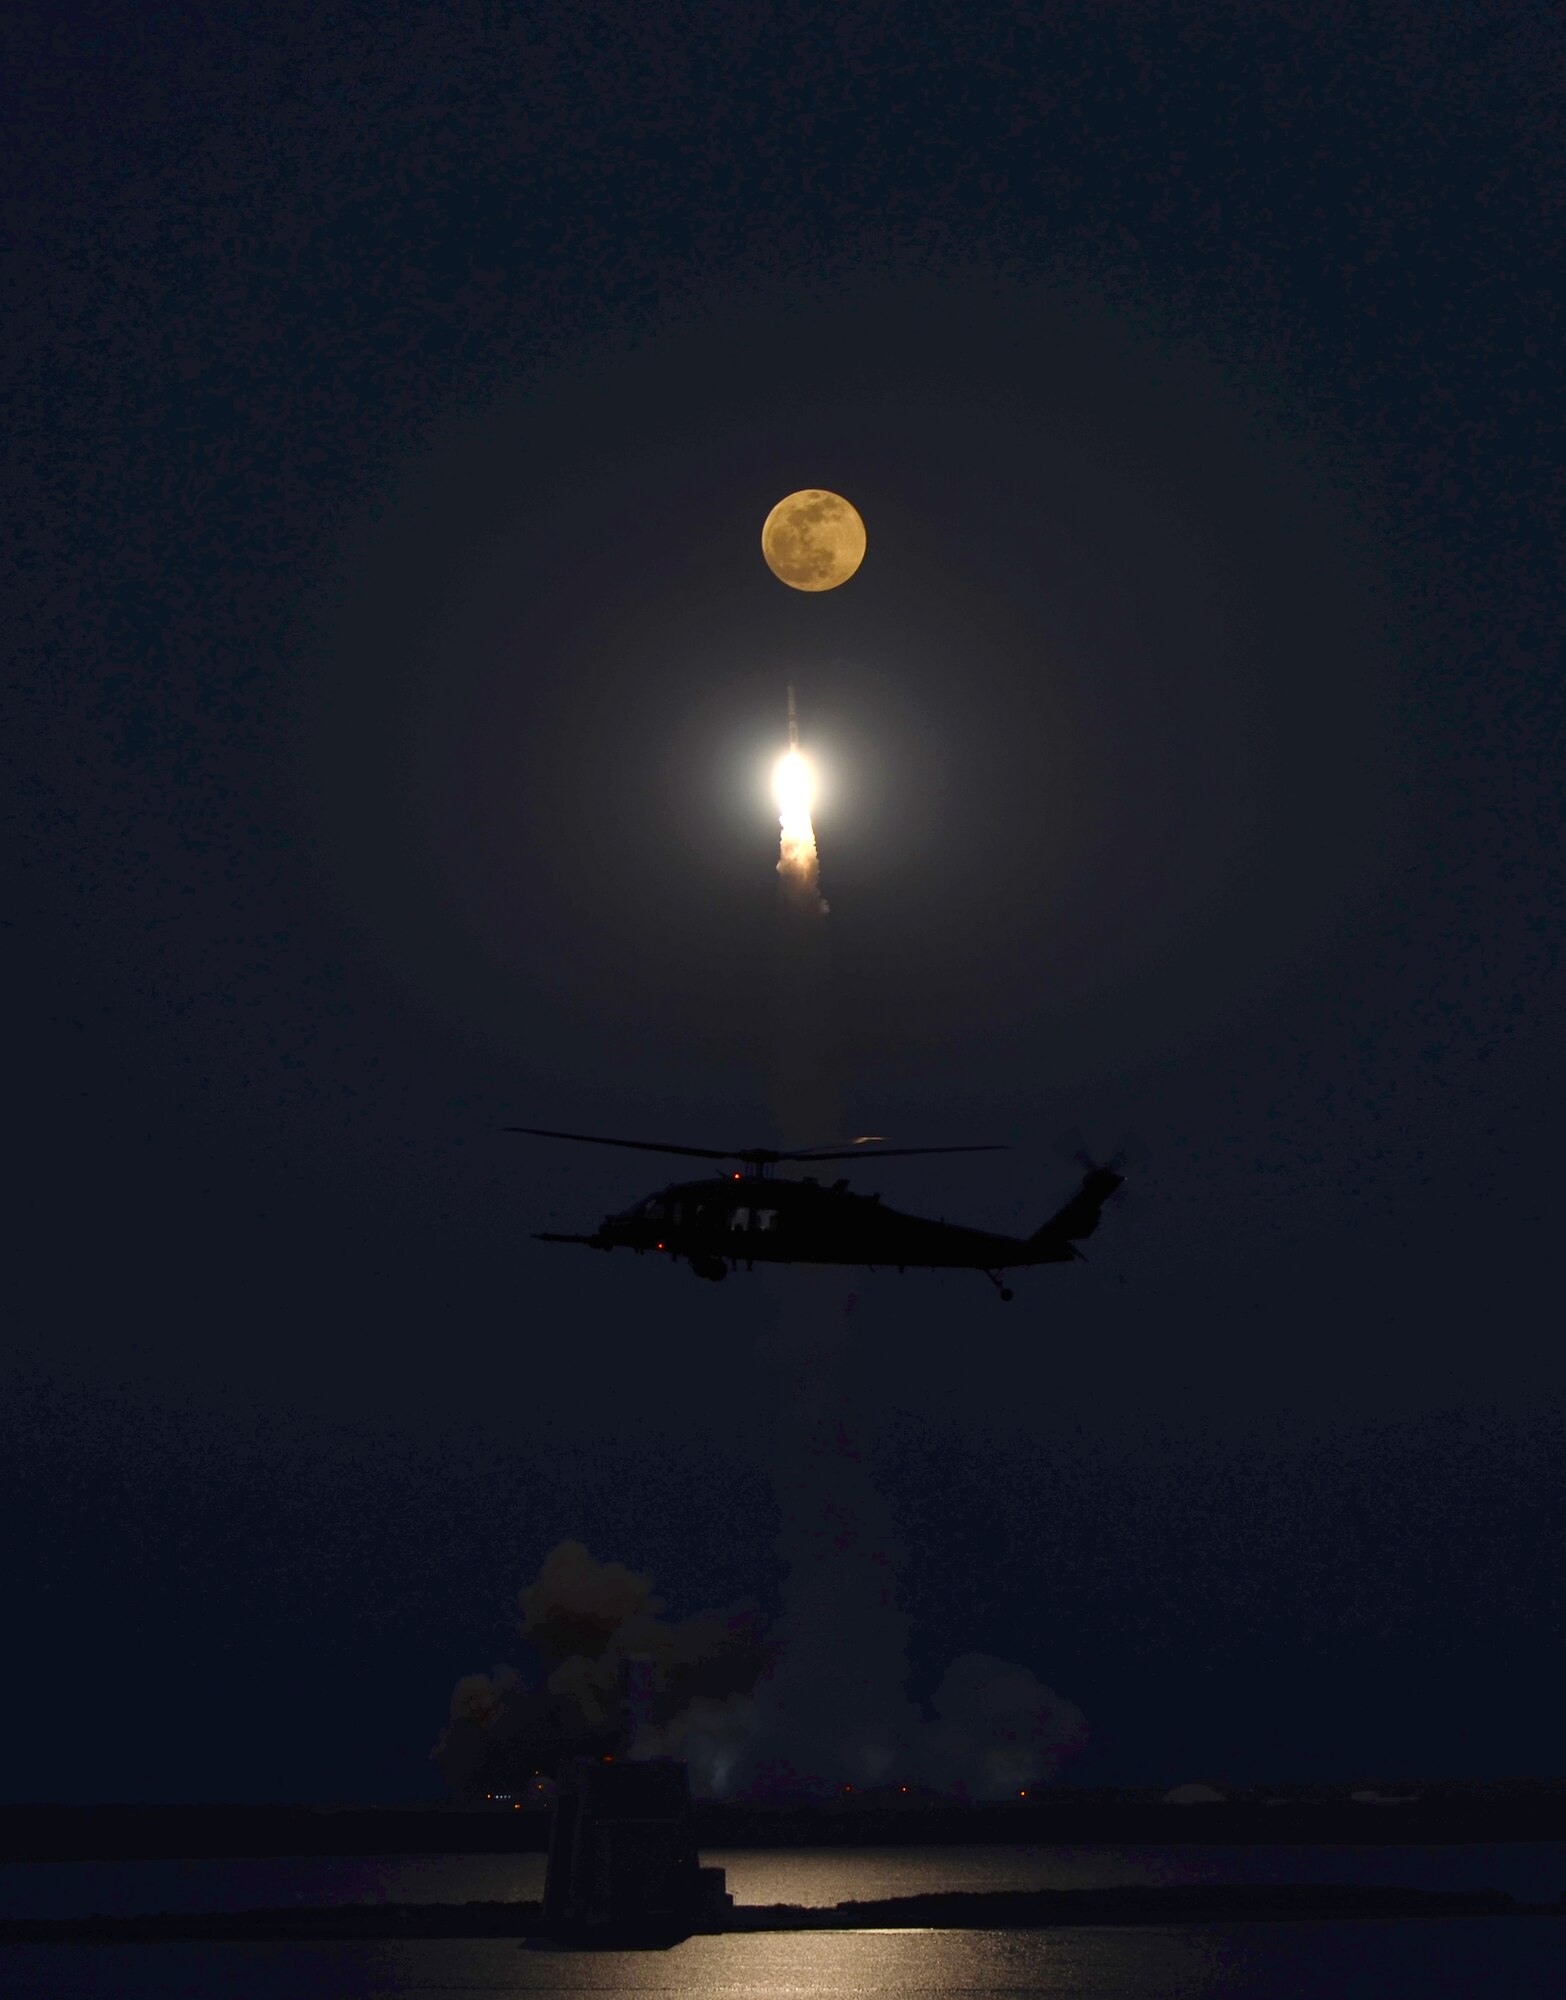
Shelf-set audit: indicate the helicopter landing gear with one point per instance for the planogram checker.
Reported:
(1004, 1290)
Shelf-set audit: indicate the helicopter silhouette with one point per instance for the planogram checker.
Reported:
(752, 1217)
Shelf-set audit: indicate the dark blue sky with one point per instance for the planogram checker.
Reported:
(399, 402)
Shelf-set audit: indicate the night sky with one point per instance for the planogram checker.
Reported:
(398, 397)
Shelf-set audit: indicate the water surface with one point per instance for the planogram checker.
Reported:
(1449, 1959)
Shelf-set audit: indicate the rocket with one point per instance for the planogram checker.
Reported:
(793, 720)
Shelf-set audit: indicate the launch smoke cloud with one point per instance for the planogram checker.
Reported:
(817, 1702)
(598, 1632)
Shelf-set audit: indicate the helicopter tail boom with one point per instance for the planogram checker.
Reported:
(1080, 1216)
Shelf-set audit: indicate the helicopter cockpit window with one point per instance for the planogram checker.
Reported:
(739, 1218)
(654, 1211)
(766, 1218)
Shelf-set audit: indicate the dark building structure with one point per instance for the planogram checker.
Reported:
(622, 1853)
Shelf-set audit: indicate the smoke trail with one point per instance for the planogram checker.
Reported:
(834, 1710)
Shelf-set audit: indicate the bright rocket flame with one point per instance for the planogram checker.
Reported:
(794, 788)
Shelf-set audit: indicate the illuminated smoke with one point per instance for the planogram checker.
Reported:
(838, 1705)
(597, 1632)
(798, 864)
(818, 1702)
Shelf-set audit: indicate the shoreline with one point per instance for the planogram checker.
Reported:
(955, 1910)
(239, 1832)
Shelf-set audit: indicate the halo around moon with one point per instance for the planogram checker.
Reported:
(813, 540)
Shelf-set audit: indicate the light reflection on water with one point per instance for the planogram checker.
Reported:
(1534, 1871)
(1453, 1959)
(1530, 1870)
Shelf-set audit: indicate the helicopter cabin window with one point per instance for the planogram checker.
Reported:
(654, 1211)
(739, 1218)
(766, 1218)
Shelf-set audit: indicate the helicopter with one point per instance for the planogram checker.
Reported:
(752, 1217)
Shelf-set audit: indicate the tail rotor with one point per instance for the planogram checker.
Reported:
(1128, 1155)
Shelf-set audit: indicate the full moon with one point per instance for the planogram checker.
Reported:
(813, 540)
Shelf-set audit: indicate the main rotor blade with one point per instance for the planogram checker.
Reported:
(632, 1145)
(884, 1152)
(756, 1155)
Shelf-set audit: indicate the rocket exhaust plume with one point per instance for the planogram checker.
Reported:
(803, 1055)
(792, 784)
